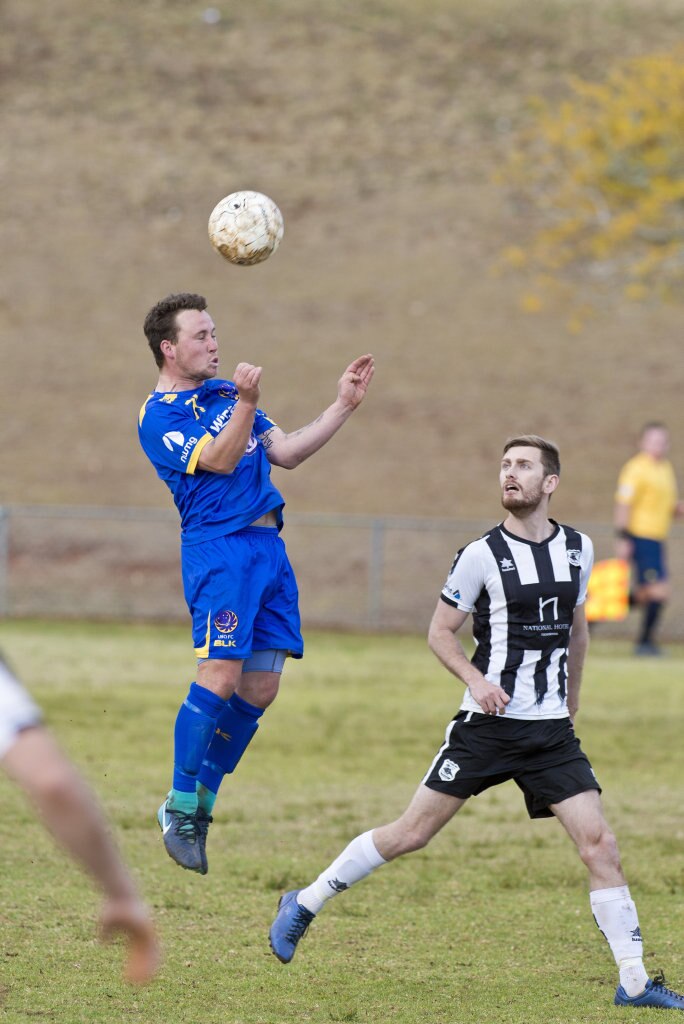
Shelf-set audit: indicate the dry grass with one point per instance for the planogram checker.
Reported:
(490, 923)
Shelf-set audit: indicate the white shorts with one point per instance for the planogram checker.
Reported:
(17, 710)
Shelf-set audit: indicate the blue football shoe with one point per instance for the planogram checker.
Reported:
(181, 833)
(655, 994)
(291, 923)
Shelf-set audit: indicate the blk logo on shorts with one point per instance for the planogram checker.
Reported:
(448, 770)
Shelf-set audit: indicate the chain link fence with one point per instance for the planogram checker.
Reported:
(355, 572)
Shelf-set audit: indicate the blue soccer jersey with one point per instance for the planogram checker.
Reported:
(174, 427)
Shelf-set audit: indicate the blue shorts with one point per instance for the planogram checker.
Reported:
(242, 595)
(649, 559)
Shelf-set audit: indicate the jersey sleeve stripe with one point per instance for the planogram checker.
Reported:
(197, 451)
(143, 410)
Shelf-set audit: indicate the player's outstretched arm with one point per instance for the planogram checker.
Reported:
(289, 450)
(73, 816)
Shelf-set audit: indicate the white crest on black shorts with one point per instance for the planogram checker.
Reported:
(574, 556)
(447, 771)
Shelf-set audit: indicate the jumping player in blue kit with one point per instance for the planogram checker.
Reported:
(214, 448)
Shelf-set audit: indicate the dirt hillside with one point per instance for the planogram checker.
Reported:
(377, 127)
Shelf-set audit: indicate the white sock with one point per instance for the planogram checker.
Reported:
(616, 916)
(354, 863)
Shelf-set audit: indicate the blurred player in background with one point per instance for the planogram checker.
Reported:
(525, 584)
(213, 447)
(645, 504)
(31, 758)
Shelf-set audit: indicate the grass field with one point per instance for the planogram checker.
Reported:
(490, 923)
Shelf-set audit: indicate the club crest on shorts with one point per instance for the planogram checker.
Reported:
(574, 556)
(448, 770)
(226, 622)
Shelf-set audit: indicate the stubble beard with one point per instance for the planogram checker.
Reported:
(521, 504)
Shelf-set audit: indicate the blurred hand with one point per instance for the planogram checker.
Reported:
(130, 918)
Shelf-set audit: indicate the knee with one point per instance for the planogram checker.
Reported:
(259, 690)
(407, 838)
(220, 676)
(599, 849)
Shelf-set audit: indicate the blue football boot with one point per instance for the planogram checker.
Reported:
(182, 837)
(655, 994)
(289, 926)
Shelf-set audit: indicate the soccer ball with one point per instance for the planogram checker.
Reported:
(246, 227)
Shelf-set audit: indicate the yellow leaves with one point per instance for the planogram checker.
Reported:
(603, 172)
(530, 302)
(636, 291)
(514, 256)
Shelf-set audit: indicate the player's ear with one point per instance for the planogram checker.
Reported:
(551, 483)
(167, 347)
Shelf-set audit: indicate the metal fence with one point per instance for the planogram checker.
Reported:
(379, 573)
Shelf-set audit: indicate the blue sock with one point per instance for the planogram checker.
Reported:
(195, 726)
(235, 728)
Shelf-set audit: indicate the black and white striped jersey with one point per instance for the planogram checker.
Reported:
(522, 596)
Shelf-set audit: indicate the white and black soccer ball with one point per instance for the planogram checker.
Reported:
(246, 227)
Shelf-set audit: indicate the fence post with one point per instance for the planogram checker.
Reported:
(375, 572)
(4, 560)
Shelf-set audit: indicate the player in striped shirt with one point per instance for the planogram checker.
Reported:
(524, 583)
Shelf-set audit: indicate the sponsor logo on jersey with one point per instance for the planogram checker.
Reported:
(448, 770)
(226, 621)
(507, 565)
(219, 422)
(197, 409)
(189, 445)
(173, 437)
(552, 604)
(574, 556)
(169, 399)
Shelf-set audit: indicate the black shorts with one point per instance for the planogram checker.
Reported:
(543, 757)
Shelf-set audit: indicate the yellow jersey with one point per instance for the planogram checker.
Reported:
(649, 488)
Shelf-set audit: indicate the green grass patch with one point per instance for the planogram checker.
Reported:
(490, 923)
